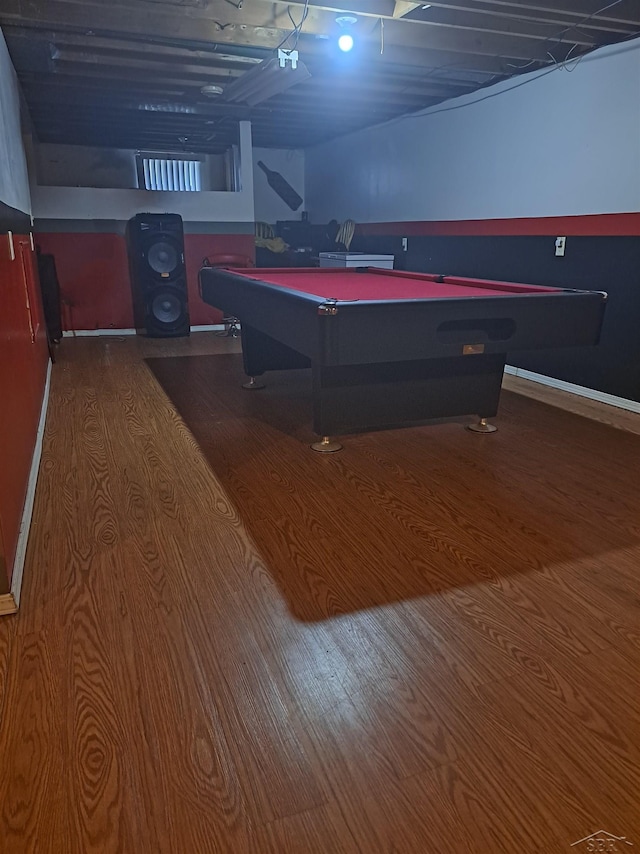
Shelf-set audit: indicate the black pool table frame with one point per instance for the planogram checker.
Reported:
(391, 363)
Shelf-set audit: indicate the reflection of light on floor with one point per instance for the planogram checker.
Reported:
(326, 664)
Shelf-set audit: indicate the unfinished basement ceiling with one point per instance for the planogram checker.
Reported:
(130, 73)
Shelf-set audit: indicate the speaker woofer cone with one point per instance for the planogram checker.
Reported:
(164, 258)
(167, 307)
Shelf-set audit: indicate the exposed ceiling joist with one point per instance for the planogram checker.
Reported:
(222, 23)
(183, 75)
(134, 72)
(315, 51)
(566, 11)
(126, 43)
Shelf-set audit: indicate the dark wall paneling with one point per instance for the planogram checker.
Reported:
(606, 263)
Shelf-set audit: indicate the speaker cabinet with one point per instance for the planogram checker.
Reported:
(50, 288)
(155, 244)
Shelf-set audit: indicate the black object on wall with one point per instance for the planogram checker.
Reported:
(155, 243)
(282, 187)
(12, 219)
(50, 289)
(610, 264)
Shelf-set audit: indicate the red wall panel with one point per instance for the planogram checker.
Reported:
(200, 246)
(589, 225)
(23, 366)
(93, 271)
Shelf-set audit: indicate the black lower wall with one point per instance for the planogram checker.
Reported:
(11, 219)
(609, 264)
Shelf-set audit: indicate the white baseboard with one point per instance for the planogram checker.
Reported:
(27, 512)
(93, 333)
(581, 391)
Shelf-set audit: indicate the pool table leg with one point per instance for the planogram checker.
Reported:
(262, 353)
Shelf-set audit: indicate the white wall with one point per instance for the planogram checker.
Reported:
(269, 207)
(79, 166)
(77, 203)
(14, 182)
(565, 143)
(74, 203)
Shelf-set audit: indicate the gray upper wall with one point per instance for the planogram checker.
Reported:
(14, 180)
(563, 142)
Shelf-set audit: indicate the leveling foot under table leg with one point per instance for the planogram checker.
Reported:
(253, 384)
(482, 427)
(326, 446)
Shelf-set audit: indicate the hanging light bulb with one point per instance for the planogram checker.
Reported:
(345, 39)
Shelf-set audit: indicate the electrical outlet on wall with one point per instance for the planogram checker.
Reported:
(561, 242)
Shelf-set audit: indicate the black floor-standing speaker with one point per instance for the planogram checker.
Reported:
(155, 243)
(50, 289)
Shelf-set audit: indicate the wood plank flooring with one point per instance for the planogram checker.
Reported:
(623, 419)
(428, 642)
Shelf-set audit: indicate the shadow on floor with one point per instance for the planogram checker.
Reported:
(400, 514)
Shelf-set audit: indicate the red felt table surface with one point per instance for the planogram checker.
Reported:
(347, 285)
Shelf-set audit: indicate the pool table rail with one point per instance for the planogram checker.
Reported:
(371, 331)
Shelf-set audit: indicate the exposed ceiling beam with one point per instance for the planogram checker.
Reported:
(102, 99)
(191, 78)
(173, 83)
(567, 11)
(118, 124)
(90, 64)
(114, 111)
(133, 98)
(191, 137)
(527, 14)
(394, 59)
(126, 44)
(566, 8)
(222, 23)
(456, 20)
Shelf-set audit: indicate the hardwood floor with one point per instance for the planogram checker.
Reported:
(428, 642)
(623, 419)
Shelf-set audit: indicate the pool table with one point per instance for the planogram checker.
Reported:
(389, 348)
